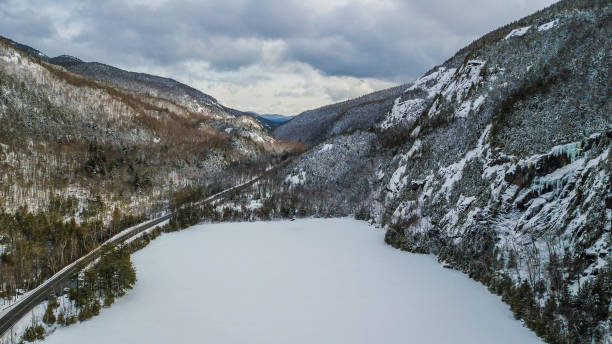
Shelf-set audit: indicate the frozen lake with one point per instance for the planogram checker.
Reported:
(306, 281)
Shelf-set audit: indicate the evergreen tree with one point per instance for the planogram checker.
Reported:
(61, 319)
(49, 317)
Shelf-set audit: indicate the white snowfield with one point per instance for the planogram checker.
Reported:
(548, 26)
(518, 32)
(306, 281)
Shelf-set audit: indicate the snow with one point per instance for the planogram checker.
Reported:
(127, 230)
(32, 316)
(380, 173)
(572, 150)
(306, 281)
(464, 109)
(454, 172)
(406, 111)
(255, 137)
(254, 204)
(548, 26)
(326, 147)
(440, 77)
(414, 149)
(468, 76)
(297, 179)
(451, 83)
(396, 183)
(14, 302)
(147, 231)
(518, 32)
(478, 102)
(24, 296)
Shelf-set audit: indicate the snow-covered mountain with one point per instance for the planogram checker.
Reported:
(103, 131)
(151, 85)
(498, 161)
(312, 126)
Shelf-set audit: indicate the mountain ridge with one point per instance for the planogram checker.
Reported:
(153, 85)
(312, 126)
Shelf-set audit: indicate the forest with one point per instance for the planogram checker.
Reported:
(37, 245)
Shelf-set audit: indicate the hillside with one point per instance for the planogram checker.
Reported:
(497, 161)
(310, 127)
(47, 110)
(81, 159)
(151, 85)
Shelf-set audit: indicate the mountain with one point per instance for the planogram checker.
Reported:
(271, 121)
(64, 133)
(497, 161)
(84, 157)
(88, 150)
(310, 127)
(276, 118)
(152, 85)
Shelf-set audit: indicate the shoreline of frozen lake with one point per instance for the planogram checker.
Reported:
(303, 281)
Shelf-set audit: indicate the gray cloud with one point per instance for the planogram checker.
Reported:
(25, 23)
(386, 40)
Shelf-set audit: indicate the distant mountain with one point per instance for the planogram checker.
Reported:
(65, 60)
(271, 121)
(312, 126)
(276, 118)
(27, 49)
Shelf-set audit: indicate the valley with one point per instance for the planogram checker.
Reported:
(491, 172)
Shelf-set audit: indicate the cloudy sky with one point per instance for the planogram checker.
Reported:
(269, 56)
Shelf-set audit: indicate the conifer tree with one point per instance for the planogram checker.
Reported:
(49, 317)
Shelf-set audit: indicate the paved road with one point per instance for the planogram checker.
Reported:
(62, 278)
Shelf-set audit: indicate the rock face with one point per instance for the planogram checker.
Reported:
(498, 161)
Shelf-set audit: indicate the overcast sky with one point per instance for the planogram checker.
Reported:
(269, 56)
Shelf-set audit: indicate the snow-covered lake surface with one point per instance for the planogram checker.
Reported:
(306, 281)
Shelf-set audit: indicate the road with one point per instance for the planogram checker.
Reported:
(61, 279)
